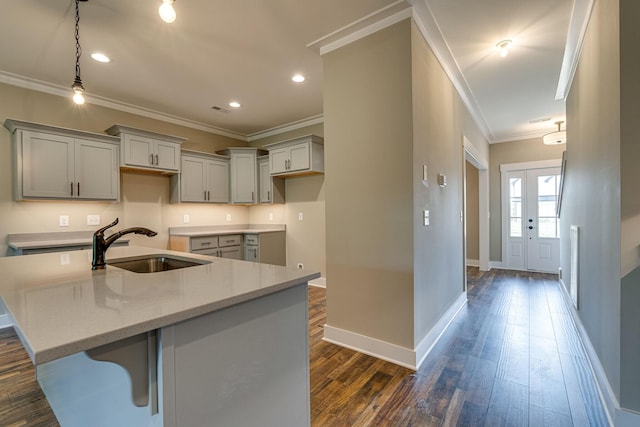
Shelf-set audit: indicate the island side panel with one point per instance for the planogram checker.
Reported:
(246, 365)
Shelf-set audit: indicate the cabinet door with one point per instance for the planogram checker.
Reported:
(96, 170)
(279, 159)
(192, 181)
(299, 157)
(167, 155)
(232, 252)
(265, 182)
(243, 178)
(47, 165)
(218, 181)
(138, 151)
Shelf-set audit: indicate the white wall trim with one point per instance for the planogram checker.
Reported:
(426, 344)
(472, 155)
(287, 127)
(580, 16)
(393, 353)
(4, 321)
(320, 282)
(605, 391)
(373, 347)
(473, 263)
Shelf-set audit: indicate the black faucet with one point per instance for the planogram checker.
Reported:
(100, 244)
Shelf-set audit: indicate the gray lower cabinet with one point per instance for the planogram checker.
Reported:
(267, 248)
(56, 163)
(223, 246)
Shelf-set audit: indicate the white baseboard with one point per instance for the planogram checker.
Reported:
(473, 263)
(320, 282)
(497, 264)
(409, 358)
(4, 321)
(617, 416)
(424, 347)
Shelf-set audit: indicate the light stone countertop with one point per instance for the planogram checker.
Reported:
(59, 306)
(54, 239)
(195, 231)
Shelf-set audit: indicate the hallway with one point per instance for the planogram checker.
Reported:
(512, 357)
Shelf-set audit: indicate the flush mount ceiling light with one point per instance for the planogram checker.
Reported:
(77, 87)
(503, 47)
(298, 78)
(234, 104)
(100, 57)
(167, 12)
(554, 138)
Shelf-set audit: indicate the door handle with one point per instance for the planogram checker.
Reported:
(531, 227)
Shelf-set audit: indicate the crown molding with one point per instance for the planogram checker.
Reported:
(314, 120)
(53, 89)
(580, 16)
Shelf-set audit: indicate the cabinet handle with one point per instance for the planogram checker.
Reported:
(268, 195)
(205, 194)
(157, 163)
(205, 243)
(78, 189)
(252, 196)
(208, 195)
(71, 185)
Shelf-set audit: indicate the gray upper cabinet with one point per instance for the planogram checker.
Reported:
(204, 178)
(297, 156)
(147, 150)
(58, 163)
(243, 174)
(272, 189)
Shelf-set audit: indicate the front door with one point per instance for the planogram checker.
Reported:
(533, 240)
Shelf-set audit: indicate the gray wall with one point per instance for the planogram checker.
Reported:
(369, 174)
(527, 150)
(591, 197)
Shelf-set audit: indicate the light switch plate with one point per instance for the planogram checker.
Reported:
(300, 216)
(63, 221)
(93, 219)
(186, 218)
(228, 217)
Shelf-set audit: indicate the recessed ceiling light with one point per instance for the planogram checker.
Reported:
(503, 47)
(100, 57)
(234, 104)
(298, 78)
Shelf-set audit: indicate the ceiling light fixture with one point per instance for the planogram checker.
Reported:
(234, 104)
(554, 138)
(167, 12)
(77, 87)
(100, 57)
(503, 47)
(298, 78)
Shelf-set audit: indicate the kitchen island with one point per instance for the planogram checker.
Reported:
(222, 343)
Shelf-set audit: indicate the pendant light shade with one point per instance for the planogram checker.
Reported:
(554, 138)
(167, 12)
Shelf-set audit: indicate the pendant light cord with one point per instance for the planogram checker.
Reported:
(78, 47)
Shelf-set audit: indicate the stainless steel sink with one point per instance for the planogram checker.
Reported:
(155, 263)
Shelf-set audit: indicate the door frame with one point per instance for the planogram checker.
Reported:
(472, 156)
(504, 201)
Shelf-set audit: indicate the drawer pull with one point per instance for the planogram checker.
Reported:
(205, 243)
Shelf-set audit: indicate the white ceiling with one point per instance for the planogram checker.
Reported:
(247, 50)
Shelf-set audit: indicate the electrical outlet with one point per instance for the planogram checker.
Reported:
(228, 217)
(270, 216)
(93, 219)
(186, 219)
(300, 216)
(300, 266)
(63, 221)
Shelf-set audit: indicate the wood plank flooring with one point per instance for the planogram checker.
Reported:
(510, 358)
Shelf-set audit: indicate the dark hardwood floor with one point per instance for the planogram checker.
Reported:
(510, 358)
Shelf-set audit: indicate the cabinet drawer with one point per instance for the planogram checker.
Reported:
(230, 240)
(204, 242)
(231, 252)
(210, 252)
(250, 239)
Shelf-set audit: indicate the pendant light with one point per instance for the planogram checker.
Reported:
(77, 87)
(554, 138)
(167, 12)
